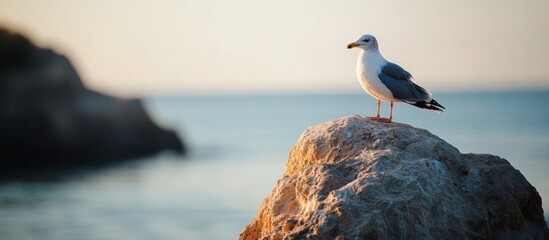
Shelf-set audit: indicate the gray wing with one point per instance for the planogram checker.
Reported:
(399, 82)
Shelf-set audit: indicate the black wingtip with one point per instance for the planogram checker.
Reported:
(431, 105)
(435, 103)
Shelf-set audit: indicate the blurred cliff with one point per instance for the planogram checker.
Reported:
(49, 120)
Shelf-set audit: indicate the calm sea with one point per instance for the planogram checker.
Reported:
(239, 145)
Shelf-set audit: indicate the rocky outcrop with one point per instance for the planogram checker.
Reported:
(50, 120)
(353, 178)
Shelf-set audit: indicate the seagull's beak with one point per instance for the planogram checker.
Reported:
(352, 45)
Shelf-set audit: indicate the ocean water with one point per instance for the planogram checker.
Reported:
(239, 146)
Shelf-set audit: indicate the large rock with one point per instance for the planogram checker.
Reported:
(50, 120)
(353, 178)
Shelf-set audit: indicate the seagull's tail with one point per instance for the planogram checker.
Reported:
(431, 105)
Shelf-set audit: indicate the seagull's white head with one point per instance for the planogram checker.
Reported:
(366, 42)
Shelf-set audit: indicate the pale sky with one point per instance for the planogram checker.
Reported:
(195, 47)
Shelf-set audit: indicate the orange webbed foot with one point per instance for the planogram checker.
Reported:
(380, 119)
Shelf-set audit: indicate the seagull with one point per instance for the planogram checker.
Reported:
(387, 81)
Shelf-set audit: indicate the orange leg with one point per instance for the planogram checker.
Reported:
(380, 119)
(391, 112)
(377, 117)
(378, 105)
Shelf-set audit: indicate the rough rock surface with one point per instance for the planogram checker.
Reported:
(49, 119)
(353, 178)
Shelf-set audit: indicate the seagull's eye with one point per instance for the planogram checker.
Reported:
(366, 40)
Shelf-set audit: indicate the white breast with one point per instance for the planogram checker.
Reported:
(368, 67)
